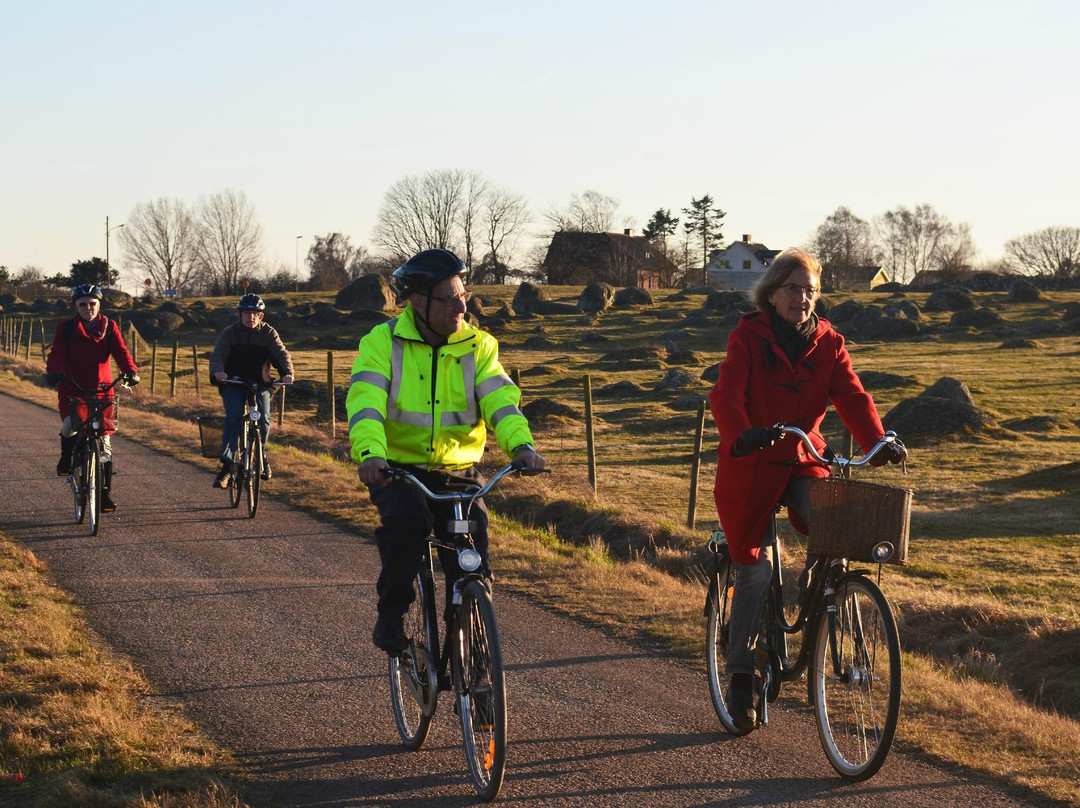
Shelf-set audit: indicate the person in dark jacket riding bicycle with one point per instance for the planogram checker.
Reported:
(784, 365)
(81, 349)
(246, 350)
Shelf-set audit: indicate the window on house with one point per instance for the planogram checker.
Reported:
(746, 265)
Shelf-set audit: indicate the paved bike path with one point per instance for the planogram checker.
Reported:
(262, 628)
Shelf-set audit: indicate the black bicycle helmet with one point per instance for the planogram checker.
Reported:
(251, 302)
(86, 290)
(424, 270)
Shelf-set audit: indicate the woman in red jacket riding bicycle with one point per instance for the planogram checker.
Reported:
(81, 349)
(784, 365)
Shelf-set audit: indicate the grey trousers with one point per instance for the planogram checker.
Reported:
(753, 582)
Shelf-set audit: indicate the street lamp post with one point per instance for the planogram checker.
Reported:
(296, 266)
(107, 231)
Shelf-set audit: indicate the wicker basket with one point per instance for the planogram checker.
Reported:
(859, 521)
(210, 427)
(79, 408)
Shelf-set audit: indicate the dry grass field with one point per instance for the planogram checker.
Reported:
(989, 604)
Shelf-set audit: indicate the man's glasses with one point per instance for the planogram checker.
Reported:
(463, 298)
(795, 290)
(87, 304)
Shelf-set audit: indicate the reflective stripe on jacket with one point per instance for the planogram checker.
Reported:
(411, 403)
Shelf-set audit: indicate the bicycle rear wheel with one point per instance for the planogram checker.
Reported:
(78, 484)
(481, 690)
(857, 706)
(718, 615)
(93, 489)
(253, 474)
(414, 681)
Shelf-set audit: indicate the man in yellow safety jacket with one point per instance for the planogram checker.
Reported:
(425, 388)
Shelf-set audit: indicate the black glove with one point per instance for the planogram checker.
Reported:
(53, 379)
(889, 453)
(756, 437)
(131, 378)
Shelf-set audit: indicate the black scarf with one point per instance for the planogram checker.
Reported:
(793, 339)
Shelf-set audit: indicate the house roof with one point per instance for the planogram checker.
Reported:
(863, 273)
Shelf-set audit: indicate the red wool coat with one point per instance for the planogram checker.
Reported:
(85, 358)
(759, 387)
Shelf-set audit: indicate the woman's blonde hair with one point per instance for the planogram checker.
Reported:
(783, 265)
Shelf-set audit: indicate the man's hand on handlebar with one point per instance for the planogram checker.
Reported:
(528, 458)
(372, 472)
(754, 438)
(889, 453)
(220, 377)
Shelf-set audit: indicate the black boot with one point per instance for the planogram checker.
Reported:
(63, 468)
(107, 505)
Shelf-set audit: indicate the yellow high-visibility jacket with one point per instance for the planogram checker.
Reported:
(411, 403)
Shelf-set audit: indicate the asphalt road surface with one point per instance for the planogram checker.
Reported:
(262, 628)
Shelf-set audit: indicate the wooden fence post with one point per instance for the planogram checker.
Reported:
(133, 344)
(281, 409)
(195, 368)
(153, 366)
(590, 444)
(29, 337)
(695, 467)
(330, 393)
(44, 347)
(172, 375)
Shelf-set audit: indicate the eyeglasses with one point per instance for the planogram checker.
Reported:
(795, 290)
(463, 298)
(88, 304)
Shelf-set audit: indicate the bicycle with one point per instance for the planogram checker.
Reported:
(850, 644)
(93, 413)
(471, 648)
(249, 456)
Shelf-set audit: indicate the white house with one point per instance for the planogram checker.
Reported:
(739, 266)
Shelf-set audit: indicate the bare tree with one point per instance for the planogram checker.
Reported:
(1053, 252)
(419, 213)
(159, 242)
(912, 240)
(332, 259)
(956, 256)
(229, 239)
(474, 193)
(841, 243)
(504, 215)
(592, 212)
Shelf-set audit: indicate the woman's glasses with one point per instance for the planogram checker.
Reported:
(795, 290)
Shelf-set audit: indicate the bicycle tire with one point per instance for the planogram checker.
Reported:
(480, 683)
(236, 491)
(414, 679)
(253, 475)
(78, 485)
(717, 615)
(93, 489)
(857, 711)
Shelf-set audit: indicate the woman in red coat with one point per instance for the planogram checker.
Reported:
(784, 365)
(81, 349)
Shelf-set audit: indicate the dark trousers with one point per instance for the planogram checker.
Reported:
(233, 399)
(407, 519)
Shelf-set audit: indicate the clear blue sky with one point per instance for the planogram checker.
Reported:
(782, 111)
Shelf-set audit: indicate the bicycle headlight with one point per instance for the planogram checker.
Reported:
(95, 425)
(883, 551)
(254, 415)
(468, 559)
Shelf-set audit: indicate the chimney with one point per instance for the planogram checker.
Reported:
(628, 231)
(746, 238)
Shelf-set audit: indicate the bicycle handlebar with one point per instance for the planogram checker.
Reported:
(241, 383)
(839, 460)
(472, 493)
(101, 387)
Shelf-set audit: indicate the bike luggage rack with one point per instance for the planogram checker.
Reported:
(859, 521)
(210, 427)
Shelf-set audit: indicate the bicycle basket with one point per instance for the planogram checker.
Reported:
(859, 521)
(210, 427)
(102, 411)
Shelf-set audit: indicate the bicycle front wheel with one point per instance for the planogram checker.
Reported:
(481, 690)
(414, 681)
(240, 463)
(78, 485)
(253, 474)
(718, 615)
(854, 679)
(93, 489)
